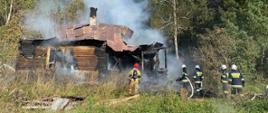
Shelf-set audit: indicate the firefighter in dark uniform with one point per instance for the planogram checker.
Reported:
(198, 79)
(184, 81)
(224, 80)
(236, 79)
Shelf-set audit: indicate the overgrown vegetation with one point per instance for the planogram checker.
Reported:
(218, 32)
(16, 89)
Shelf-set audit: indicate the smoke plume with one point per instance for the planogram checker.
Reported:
(40, 20)
(129, 13)
(135, 15)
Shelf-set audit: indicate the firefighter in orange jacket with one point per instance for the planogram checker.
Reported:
(134, 79)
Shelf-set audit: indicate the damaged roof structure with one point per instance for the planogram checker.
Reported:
(93, 49)
(112, 34)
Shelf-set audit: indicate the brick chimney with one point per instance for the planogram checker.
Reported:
(93, 16)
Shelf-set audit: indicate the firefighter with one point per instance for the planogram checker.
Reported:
(184, 81)
(198, 78)
(134, 79)
(224, 80)
(236, 79)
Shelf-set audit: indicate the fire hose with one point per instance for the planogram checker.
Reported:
(192, 88)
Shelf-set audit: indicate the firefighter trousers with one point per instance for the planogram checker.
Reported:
(236, 90)
(198, 87)
(133, 86)
(225, 88)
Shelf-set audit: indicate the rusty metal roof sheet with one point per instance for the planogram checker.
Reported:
(112, 34)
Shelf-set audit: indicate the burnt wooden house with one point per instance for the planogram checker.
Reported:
(93, 49)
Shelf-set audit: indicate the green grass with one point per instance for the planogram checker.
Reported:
(14, 91)
(149, 103)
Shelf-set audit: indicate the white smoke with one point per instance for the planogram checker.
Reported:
(135, 16)
(40, 19)
(128, 13)
(119, 12)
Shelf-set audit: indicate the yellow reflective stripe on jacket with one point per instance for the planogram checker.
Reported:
(197, 81)
(199, 73)
(184, 80)
(227, 75)
(235, 75)
(237, 86)
(224, 81)
(138, 72)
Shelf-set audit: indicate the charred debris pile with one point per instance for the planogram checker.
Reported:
(92, 49)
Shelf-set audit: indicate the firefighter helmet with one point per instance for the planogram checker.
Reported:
(234, 67)
(136, 65)
(197, 67)
(223, 66)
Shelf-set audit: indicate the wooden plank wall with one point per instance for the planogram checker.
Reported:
(102, 59)
(32, 58)
(85, 57)
(90, 61)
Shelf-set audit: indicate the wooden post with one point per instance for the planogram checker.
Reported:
(63, 50)
(142, 61)
(165, 58)
(47, 57)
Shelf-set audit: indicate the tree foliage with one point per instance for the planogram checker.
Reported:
(219, 32)
(11, 32)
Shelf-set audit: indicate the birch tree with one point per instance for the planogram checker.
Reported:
(175, 36)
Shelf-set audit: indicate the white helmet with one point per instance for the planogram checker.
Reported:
(197, 67)
(223, 66)
(183, 66)
(234, 67)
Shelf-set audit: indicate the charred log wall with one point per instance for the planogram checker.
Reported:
(102, 59)
(89, 60)
(31, 58)
(85, 57)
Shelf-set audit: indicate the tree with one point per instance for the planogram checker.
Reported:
(5, 11)
(215, 48)
(172, 17)
(175, 29)
(11, 13)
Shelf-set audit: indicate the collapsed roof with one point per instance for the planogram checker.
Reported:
(112, 34)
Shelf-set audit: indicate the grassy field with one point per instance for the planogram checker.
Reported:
(15, 88)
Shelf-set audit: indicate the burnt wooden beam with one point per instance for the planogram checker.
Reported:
(142, 60)
(165, 52)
